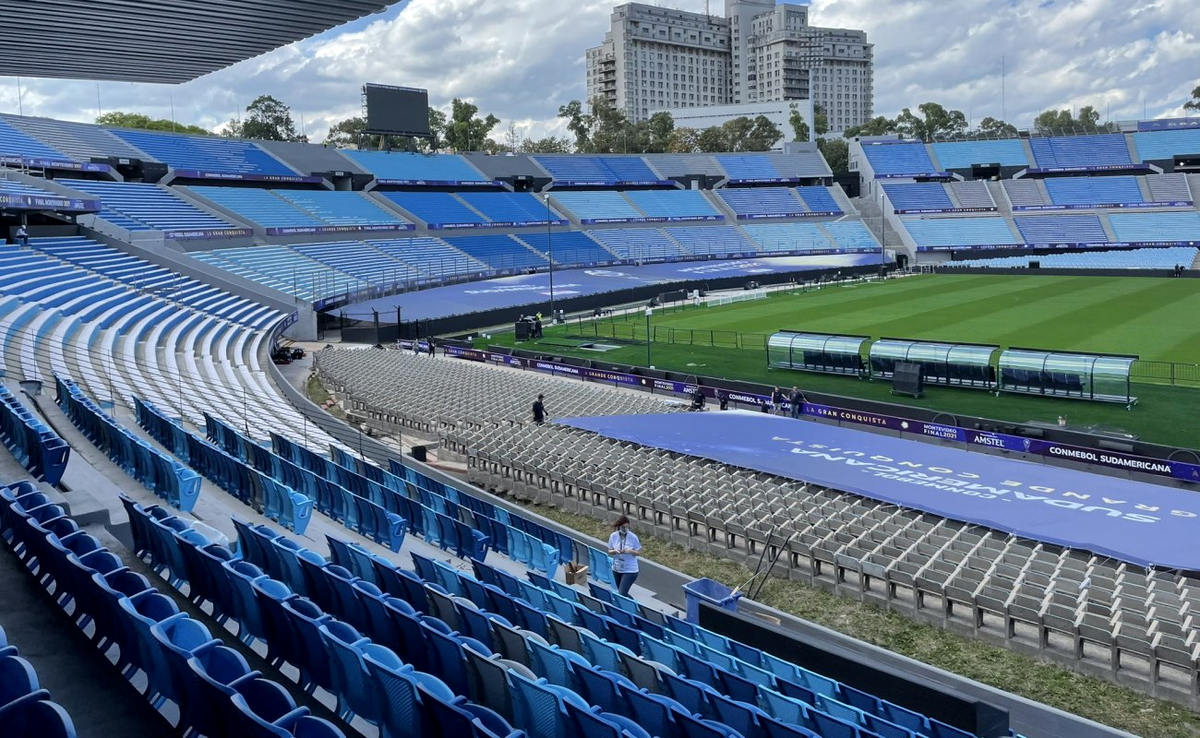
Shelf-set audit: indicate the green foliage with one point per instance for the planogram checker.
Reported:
(836, 152)
(1194, 103)
(604, 129)
(118, 119)
(933, 122)
(800, 130)
(994, 128)
(684, 141)
(466, 131)
(579, 123)
(877, 126)
(350, 133)
(1053, 121)
(266, 119)
(547, 145)
(820, 120)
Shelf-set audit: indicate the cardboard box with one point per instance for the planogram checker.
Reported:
(575, 573)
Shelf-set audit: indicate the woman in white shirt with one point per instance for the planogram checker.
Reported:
(625, 548)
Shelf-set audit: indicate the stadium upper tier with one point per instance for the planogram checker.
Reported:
(672, 204)
(1123, 259)
(436, 209)
(1051, 229)
(604, 170)
(79, 141)
(1080, 152)
(598, 206)
(411, 168)
(1166, 145)
(965, 154)
(772, 168)
(16, 143)
(278, 211)
(518, 208)
(949, 233)
(141, 207)
(779, 202)
(899, 158)
(206, 153)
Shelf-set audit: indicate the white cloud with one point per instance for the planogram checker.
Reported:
(522, 59)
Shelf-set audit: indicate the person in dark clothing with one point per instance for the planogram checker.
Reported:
(723, 399)
(777, 398)
(697, 399)
(432, 348)
(796, 400)
(539, 410)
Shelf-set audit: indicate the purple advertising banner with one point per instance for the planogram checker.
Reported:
(803, 214)
(1105, 206)
(38, 163)
(438, 183)
(310, 230)
(1092, 168)
(1168, 124)
(924, 211)
(965, 436)
(243, 177)
(688, 218)
(208, 233)
(21, 201)
(766, 180)
(913, 175)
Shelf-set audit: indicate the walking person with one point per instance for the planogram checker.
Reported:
(723, 399)
(796, 399)
(625, 548)
(539, 410)
(777, 398)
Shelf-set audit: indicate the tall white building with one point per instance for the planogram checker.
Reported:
(656, 58)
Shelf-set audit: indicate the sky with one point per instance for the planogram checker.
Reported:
(522, 59)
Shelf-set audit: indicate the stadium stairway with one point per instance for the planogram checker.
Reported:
(868, 210)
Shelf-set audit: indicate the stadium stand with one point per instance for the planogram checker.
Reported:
(436, 209)
(518, 208)
(763, 202)
(569, 247)
(205, 154)
(432, 256)
(498, 252)
(413, 168)
(818, 199)
(971, 195)
(851, 235)
(965, 154)
(280, 268)
(749, 168)
(79, 141)
(709, 240)
(25, 708)
(673, 204)
(608, 170)
(261, 207)
(340, 208)
(1026, 193)
(1094, 191)
(806, 237)
(638, 244)
(358, 260)
(1152, 258)
(136, 206)
(598, 206)
(680, 165)
(1061, 228)
(15, 143)
(928, 197)
(1169, 188)
(948, 233)
(1156, 227)
(899, 159)
(1166, 145)
(1080, 152)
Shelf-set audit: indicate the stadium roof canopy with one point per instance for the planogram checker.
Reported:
(157, 40)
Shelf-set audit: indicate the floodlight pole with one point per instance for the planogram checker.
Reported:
(550, 254)
(649, 312)
(882, 233)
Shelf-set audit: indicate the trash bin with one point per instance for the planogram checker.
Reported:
(710, 591)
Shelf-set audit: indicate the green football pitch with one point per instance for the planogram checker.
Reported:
(1153, 318)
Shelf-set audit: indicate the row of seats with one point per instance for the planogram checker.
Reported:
(945, 233)
(26, 710)
(274, 500)
(159, 473)
(280, 210)
(1097, 192)
(1152, 258)
(179, 658)
(136, 206)
(34, 444)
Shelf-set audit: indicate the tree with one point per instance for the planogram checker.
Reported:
(684, 141)
(1051, 121)
(547, 145)
(511, 139)
(836, 152)
(437, 129)
(611, 131)
(267, 119)
(877, 126)
(466, 131)
(351, 133)
(994, 128)
(659, 129)
(935, 121)
(1194, 103)
(820, 120)
(712, 140)
(737, 133)
(799, 126)
(579, 123)
(763, 135)
(118, 119)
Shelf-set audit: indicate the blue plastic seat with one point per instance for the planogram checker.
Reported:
(304, 619)
(310, 726)
(347, 674)
(261, 708)
(401, 712)
(36, 717)
(178, 641)
(654, 712)
(271, 595)
(448, 660)
(538, 709)
(17, 678)
(338, 596)
(240, 577)
(216, 673)
(142, 611)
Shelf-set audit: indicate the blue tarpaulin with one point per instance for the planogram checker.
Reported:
(1140, 523)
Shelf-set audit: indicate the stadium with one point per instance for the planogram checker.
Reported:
(910, 449)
